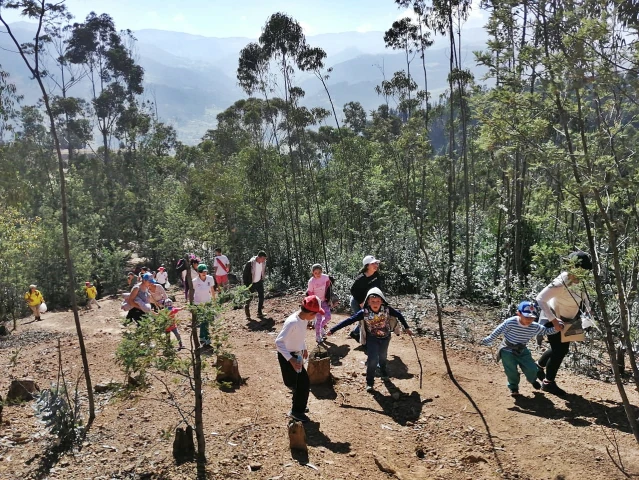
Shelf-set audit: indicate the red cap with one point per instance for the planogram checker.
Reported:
(313, 304)
(87, 283)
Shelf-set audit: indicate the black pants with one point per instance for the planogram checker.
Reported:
(298, 382)
(135, 314)
(551, 359)
(259, 288)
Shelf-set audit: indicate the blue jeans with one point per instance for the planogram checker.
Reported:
(524, 360)
(377, 351)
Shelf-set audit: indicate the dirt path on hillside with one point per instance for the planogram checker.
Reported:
(434, 432)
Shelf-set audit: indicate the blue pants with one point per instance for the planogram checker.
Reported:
(524, 360)
(377, 351)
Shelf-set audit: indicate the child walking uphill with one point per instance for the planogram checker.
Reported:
(291, 352)
(91, 292)
(173, 311)
(377, 321)
(320, 285)
(518, 331)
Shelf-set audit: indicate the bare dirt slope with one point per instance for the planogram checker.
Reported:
(434, 432)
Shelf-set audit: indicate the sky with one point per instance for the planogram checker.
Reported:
(245, 18)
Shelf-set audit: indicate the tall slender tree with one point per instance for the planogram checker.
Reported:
(31, 53)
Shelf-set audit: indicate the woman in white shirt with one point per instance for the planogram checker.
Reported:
(562, 300)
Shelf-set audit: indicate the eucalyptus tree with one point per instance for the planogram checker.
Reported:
(355, 117)
(403, 35)
(444, 16)
(283, 44)
(9, 99)
(421, 40)
(74, 127)
(312, 59)
(31, 53)
(115, 77)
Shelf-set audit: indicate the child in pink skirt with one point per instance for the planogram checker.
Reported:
(320, 285)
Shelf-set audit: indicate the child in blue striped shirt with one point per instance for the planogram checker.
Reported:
(518, 331)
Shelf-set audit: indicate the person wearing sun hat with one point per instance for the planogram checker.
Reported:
(34, 299)
(563, 300)
(377, 321)
(367, 278)
(291, 352)
(162, 277)
(513, 352)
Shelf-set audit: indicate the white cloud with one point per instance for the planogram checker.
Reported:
(179, 18)
(367, 27)
(243, 18)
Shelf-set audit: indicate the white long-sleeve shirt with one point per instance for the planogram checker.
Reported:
(292, 337)
(561, 299)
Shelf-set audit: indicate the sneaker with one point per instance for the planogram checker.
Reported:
(541, 373)
(370, 388)
(551, 387)
(536, 385)
(515, 393)
(300, 417)
(181, 347)
(384, 374)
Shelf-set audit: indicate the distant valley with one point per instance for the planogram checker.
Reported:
(192, 78)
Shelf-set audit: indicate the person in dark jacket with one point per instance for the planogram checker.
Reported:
(253, 277)
(378, 320)
(367, 278)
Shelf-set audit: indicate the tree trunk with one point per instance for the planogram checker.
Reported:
(196, 360)
(35, 71)
(183, 446)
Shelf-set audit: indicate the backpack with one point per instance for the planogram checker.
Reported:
(181, 266)
(331, 297)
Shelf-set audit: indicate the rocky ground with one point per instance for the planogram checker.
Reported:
(469, 428)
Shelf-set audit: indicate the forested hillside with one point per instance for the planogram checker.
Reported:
(477, 192)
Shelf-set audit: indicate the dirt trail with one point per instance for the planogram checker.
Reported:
(434, 432)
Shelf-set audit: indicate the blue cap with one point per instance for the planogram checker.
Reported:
(527, 309)
(148, 277)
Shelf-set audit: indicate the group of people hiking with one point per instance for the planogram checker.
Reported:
(562, 305)
(376, 319)
(556, 312)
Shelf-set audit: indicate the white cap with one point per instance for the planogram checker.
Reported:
(33, 286)
(368, 259)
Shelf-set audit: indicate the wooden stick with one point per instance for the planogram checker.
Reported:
(421, 370)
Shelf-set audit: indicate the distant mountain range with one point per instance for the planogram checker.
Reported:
(192, 78)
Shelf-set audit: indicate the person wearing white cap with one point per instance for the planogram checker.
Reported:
(34, 299)
(367, 278)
